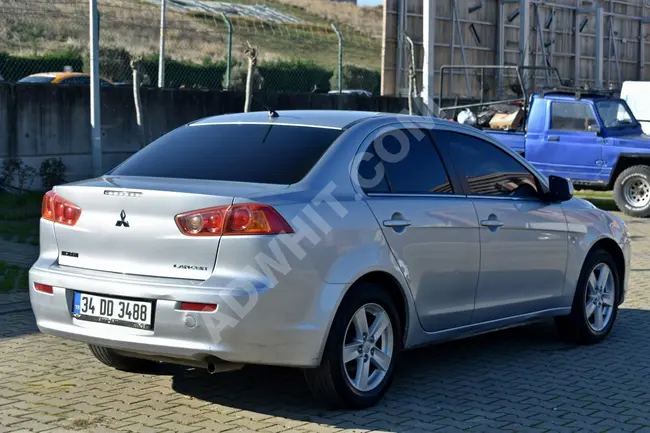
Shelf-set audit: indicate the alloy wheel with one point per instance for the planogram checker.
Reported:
(600, 297)
(368, 347)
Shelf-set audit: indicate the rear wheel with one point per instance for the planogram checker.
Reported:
(595, 303)
(632, 191)
(120, 362)
(359, 359)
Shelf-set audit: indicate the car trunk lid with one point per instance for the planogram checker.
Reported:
(127, 225)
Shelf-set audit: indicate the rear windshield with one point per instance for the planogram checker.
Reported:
(239, 153)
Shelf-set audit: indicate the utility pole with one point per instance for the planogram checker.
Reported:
(428, 65)
(95, 105)
(161, 59)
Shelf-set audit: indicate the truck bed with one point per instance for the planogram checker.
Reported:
(513, 139)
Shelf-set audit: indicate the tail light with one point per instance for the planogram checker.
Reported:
(238, 219)
(59, 210)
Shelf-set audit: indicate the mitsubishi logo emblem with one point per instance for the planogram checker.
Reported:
(122, 222)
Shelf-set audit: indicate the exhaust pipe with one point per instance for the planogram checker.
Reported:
(212, 369)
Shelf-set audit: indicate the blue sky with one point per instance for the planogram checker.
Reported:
(370, 2)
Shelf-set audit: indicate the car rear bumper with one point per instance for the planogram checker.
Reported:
(268, 325)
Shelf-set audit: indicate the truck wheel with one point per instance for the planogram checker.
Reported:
(632, 191)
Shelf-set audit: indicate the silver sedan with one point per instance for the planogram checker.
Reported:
(324, 240)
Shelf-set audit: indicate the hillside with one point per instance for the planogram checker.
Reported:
(38, 27)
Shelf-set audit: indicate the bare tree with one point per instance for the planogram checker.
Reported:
(136, 68)
(251, 53)
(411, 75)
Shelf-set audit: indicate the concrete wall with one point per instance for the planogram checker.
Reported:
(42, 121)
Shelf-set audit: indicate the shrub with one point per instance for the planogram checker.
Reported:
(238, 75)
(355, 77)
(114, 64)
(52, 172)
(13, 68)
(16, 174)
(294, 76)
(185, 74)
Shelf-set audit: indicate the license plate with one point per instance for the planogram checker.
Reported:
(114, 311)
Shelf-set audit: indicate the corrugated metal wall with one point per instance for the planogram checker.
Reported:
(480, 22)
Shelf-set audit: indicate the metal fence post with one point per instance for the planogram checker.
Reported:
(340, 66)
(161, 58)
(229, 49)
(95, 106)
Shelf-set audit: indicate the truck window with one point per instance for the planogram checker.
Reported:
(571, 116)
(614, 113)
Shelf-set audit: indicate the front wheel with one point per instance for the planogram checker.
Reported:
(595, 303)
(632, 191)
(359, 358)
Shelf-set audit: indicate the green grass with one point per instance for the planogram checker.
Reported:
(19, 216)
(13, 278)
(19, 231)
(18, 208)
(602, 199)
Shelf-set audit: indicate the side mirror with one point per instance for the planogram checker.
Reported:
(594, 128)
(560, 189)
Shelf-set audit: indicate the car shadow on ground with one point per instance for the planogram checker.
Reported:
(500, 378)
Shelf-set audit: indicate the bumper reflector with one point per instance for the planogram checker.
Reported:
(192, 306)
(43, 288)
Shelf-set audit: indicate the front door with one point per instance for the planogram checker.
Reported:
(432, 232)
(566, 147)
(524, 240)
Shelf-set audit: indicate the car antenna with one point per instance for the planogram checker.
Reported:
(272, 113)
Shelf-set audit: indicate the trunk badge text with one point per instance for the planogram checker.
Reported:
(122, 222)
(122, 193)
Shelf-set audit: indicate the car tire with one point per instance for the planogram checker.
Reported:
(632, 191)
(120, 362)
(332, 382)
(581, 326)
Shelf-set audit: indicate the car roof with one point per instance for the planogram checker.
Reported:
(333, 119)
(59, 74)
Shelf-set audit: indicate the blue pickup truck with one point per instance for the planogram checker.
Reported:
(592, 139)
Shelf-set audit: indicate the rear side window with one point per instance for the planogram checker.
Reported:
(274, 154)
(410, 164)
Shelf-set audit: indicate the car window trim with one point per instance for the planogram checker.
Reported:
(462, 177)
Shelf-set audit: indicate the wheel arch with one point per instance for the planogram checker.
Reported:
(625, 161)
(611, 247)
(395, 290)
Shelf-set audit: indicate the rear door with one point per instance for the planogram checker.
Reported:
(127, 223)
(566, 147)
(524, 240)
(431, 229)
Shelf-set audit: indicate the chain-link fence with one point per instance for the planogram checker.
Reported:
(297, 45)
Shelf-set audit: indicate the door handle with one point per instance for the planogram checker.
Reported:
(492, 223)
(553, 138)
(397, 223)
